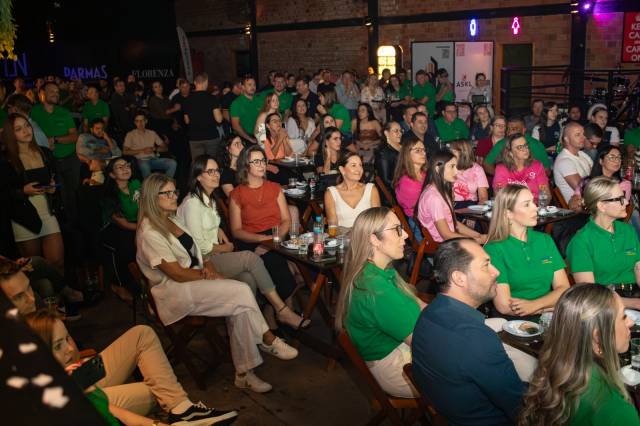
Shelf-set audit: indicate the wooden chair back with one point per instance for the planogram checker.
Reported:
(388, 405)
(385, 191)
(428, 247)
(559, 199)
(630, 208)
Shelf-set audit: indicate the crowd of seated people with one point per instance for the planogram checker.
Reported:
(200, 259)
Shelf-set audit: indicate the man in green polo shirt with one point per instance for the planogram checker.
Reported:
(280, 89)
(632, 139)
(94, 108)
(245, 109)
(56, 122)
(450, 127)
(405, 83)
(424, 92)
(516, 125)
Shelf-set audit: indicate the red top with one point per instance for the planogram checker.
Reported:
(483, 147)
(258, 206)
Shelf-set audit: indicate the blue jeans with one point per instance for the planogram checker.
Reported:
(415, 229)
(166, 164)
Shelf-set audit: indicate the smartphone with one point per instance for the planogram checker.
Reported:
(45, 187)
(89, 373)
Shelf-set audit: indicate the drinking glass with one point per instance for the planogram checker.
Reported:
(294, 231)
(303, 245)
(332, 229)
(275, 233)
(635, 353)
(340, 243)
(292, 182)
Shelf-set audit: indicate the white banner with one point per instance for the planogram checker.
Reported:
(186, 54)
(430, 57)
(472, 57)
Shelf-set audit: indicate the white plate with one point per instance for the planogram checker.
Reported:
(634, 315)
(296, 192)
(630, 376)
(479, 207)
(290, 245)
(513, 327)
(330, 242)
(488, 214)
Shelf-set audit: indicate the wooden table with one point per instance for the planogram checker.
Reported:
(296, 169)
(543, 221)
(328, 270)
(309, 204)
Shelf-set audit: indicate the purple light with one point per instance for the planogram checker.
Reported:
(586, 6)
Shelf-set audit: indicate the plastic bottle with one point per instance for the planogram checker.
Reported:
(318, 239)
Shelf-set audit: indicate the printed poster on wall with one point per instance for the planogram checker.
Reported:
(431, 56)
(471, 57)
(631, 37)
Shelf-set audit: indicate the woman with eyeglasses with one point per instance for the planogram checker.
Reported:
(609, 164)
(411, 170)
(532, 276)
(184, 284)
(256, 207)
(435, 209)
(376, 307)
(606, 250)
(517, 166)
(497, 132)
(199, 214)
(386, 157)
(579, 383)
(346, 200)
(119, 206)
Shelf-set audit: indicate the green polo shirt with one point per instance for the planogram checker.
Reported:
(285, 99)
(420, 92)
(380, 315)
(452, 131)
(55, 124)
(535, 146)
(527, 267)
(602, 405)
(128, 204)
(247, 110)
(632, 137)
(90, 111)
(405, 90)
(340, 112)
(447, 97)
(611, 257)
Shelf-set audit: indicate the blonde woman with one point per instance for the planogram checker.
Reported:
(183, 284)
(532, 276)
(606, 250)
(376, 307)
(271, 105)
(577, 381)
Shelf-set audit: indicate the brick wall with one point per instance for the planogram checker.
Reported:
(219, 56)
(411, 7)
(604, 41)
(200, 15)
(282, 12)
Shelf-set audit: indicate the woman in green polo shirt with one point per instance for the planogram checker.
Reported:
(376, 307)
(606, 250)
(120, 216)
(532, 276)
(577, 381)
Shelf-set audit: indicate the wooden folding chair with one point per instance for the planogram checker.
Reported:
(559, 198)
(387, 404)
(630, 208)
(426, 247)
(386, 192)
(425, 404)
(181, 333)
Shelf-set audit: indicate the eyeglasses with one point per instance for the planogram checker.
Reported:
(258, 162)
(211, 172)
(524, 147)
(396, 130)
(418, 150)
(619, 199)
(615, 158)
(398, 228)
(170, 194)
(126, 166)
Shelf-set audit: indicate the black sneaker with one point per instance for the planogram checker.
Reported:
(201, 415)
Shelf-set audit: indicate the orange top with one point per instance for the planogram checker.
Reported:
(258, 206)
(274, 155)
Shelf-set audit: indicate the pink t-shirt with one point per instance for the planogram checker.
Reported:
(433, 207)
(465, 188)
(532, 176)
(408, 192)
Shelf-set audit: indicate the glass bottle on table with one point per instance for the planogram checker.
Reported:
(318, 239)
(543, 196)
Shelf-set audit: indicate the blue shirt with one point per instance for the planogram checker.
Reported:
(461, 366)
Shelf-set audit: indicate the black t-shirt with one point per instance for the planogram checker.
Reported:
(199, 107)
(312, 104)
(228, 177)
(325, 86)
(227, 100)
(549, 136)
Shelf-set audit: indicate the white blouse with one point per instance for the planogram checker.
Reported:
(201, 221)
(345, 213)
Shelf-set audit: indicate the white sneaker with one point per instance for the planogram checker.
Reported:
(280, 349)
(252, 382)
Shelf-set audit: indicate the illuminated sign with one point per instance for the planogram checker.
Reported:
(85, 73)
(11, 69)
(473, 28)
(515, 26)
